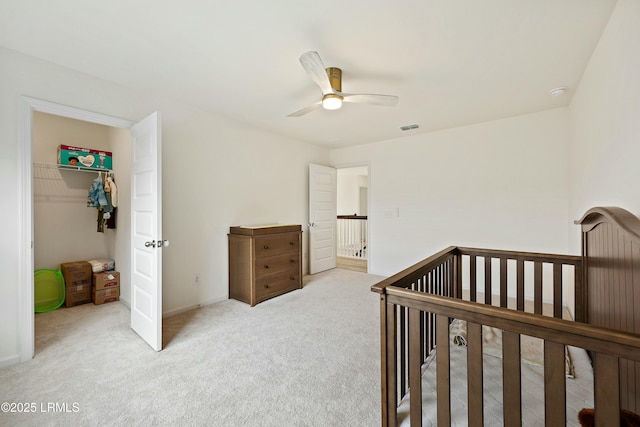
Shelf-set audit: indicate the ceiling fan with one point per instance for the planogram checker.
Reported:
(330, 82)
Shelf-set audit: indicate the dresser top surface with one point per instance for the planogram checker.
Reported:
(261, 229)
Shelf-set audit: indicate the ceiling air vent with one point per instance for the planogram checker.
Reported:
(409, 127)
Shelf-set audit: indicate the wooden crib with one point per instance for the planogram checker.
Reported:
(510, 293)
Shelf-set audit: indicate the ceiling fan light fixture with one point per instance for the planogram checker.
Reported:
(331, 101)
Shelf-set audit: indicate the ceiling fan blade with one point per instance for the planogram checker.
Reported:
(313, 65)
(305, 110)
(386, 100)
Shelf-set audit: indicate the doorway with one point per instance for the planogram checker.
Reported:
(65, 229)
(26, 292)
(352, 218)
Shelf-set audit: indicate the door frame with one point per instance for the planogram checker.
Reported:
(369, 219)
(26, 313)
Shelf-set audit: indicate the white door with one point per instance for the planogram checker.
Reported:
(146, 231)
(322, 218)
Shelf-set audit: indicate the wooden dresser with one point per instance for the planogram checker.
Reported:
(264, 261)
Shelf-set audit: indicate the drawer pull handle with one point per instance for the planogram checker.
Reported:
(266, 286)
(266, 246)
(266, 266)
(292, 243)
(292, 278)
(292, 260)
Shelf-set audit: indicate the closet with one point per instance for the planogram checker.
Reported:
(65, 229)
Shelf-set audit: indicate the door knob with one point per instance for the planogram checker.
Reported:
(158, 244)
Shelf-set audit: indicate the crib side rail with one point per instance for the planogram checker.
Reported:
(443, 274)
(608, 346)
(529, 272)
(437, 274)
(408, 277)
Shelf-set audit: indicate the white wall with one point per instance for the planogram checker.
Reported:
(217, 173)
(227, 174)
(500, 184)
(605, 120)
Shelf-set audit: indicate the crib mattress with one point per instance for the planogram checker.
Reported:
(579, 390)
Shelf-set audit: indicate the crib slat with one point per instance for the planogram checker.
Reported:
(606, 390)
(448, 275)
(415, 363)
(390, 366)
(472, 277)
(474, 374)
(403, 350)
(537, 287)
(511, 378)
(432, 319)
(443, 379)
(503, 282)
(487, 280)
(557, 291)
(431, 326)
(554, 385)
(423, 329)
(424, 339)
(520, 285)
(580, 297)
(457, 276)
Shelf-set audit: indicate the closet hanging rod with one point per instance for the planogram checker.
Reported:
(71, 168)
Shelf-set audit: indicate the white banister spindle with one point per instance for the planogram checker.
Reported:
(352, 237)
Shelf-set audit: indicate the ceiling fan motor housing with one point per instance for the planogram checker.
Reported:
(333, 101)
(335, 78)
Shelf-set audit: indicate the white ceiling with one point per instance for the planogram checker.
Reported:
(451, 62)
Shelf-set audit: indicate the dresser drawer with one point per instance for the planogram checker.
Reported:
(277, 244)
(267, 287)
(275, 264)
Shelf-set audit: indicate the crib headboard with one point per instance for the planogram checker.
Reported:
(611, 271)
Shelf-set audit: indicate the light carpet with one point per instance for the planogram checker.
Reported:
(306, 358)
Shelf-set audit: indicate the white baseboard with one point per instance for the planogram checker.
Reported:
(126, 303)
(181, 310)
